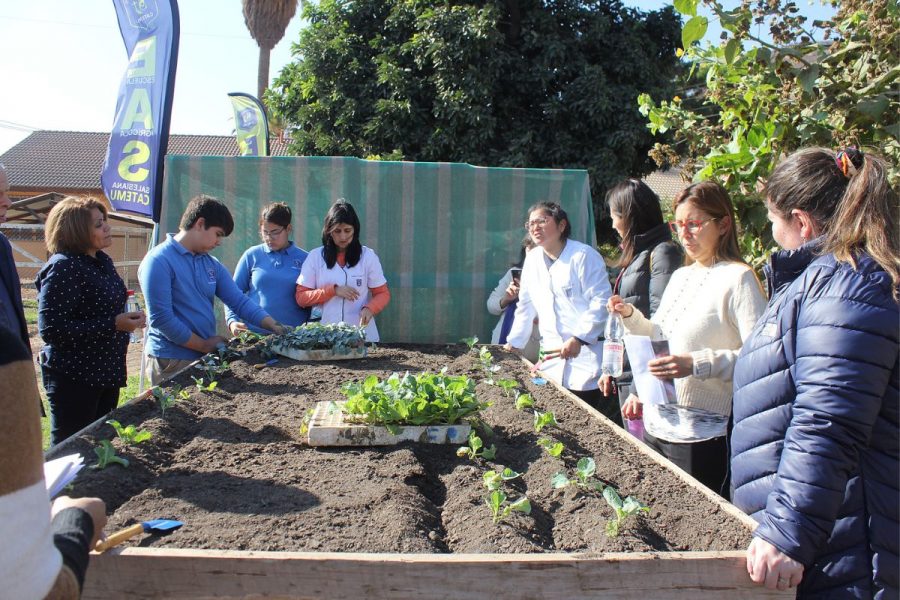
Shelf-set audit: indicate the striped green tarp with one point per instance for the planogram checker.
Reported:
(445, 232)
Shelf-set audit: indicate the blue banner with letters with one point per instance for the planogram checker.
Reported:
(133, 170)
(250, 125)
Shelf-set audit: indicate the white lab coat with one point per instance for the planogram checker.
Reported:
(363, 276)
(569, 300)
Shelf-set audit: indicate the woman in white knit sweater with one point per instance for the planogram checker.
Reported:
(706, 312)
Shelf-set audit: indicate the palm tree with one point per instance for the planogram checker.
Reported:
(267, 21)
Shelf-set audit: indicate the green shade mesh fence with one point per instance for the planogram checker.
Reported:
(445, 232)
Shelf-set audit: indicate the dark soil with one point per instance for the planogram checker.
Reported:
(231, 465)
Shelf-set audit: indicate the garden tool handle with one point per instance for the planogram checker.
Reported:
(119, 537)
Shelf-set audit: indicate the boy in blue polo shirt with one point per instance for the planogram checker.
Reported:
(180, 281)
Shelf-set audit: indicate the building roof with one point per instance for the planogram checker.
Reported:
(73, 160)
(34, 210)
(666, 183)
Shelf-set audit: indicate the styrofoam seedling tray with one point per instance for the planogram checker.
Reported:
(360, 352)
(327, 427)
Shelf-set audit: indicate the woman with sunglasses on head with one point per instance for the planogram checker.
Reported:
(649, 257)
(705, 314)
(342, 275)
(564, 284)
(267, 272)
(814, 451)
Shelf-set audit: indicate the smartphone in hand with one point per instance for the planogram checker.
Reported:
(516, 274)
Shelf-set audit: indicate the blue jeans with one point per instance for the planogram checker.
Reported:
(74, 405)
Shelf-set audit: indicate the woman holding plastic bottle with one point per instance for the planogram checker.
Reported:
(648, 259)
(342, 275)
(81, 319)
(565, 286)
(815, 446)
(706, 312)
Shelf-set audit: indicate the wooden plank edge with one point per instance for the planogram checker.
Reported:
(641, 447)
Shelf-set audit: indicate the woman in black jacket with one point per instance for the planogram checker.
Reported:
(649, 257)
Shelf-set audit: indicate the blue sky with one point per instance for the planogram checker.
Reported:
(63, 61)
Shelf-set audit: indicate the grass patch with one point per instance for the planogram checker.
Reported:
(128, 392)
(31, 309)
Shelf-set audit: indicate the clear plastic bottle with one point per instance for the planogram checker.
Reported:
(613, 346)
(132, 305)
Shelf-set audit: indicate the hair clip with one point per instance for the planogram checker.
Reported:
(847, 159)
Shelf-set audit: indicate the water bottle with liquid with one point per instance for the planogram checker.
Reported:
(613, 346)
(132, 305)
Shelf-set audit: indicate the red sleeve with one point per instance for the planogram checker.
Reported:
(307, 297)
(380, 298)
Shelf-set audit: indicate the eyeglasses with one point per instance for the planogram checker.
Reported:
(536, 223)
(272, 233)
(691, 226)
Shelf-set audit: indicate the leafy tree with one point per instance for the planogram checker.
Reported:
(267, 20)
(528, 83)
(828, 83)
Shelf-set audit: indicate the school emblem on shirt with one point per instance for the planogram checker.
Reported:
(211, 274)
(359, 282)
(298, 263)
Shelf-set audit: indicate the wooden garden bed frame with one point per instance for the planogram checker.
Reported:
(249, 575)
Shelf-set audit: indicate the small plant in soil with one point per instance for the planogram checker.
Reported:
(470, 342)
(106, 455)
(487, 364)
(167, 400)
(542, 420)
(476, 449)
(623, 509)
(249, 337)
(500, 508)
(423, 399)
(203, 386)
(553, 449)
(129, 433)
(493, 480)
(524, 401)
(584, 477)
(213, 365)
(507, 385)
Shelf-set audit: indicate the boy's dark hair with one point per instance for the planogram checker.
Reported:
(341, 213)
(213, 211)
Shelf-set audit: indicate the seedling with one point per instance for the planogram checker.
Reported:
(584, 477)
(476, 449)
(623, 509)
(340, 338)
(203, 386)
(487, 364)
(524, 401)
(307, 417)
(500, 508)
(470, 342)
(213, 365)
(552, 449)
(106, 455)
(167, 400)
(542, 420)
(507, 385)
(249, 337)
(129, 433)
(493, 480)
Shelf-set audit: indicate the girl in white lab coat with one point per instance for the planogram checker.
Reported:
(566, 287)
(342, 275)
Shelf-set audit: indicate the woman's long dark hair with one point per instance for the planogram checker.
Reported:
(341, 213)
(639, 208)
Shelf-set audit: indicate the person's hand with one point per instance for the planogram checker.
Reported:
(236, 327)
(606, 383)
(92, 506)
(212, 343)
(511, 295)
(570, 349)
(632, 408)
(509, 348)
(672, 367)
(615, 304)
(769, 566)
(130, 321)
(346, 292)
(365, 315)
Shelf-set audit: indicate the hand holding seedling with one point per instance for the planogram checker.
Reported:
(236, 327)
(672, 367)
(346, 292)
(129, 321)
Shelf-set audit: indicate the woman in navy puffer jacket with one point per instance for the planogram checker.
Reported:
(815, 443)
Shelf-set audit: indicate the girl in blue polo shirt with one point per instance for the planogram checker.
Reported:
(267, 272)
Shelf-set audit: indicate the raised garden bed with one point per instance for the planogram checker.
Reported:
(267, 516)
